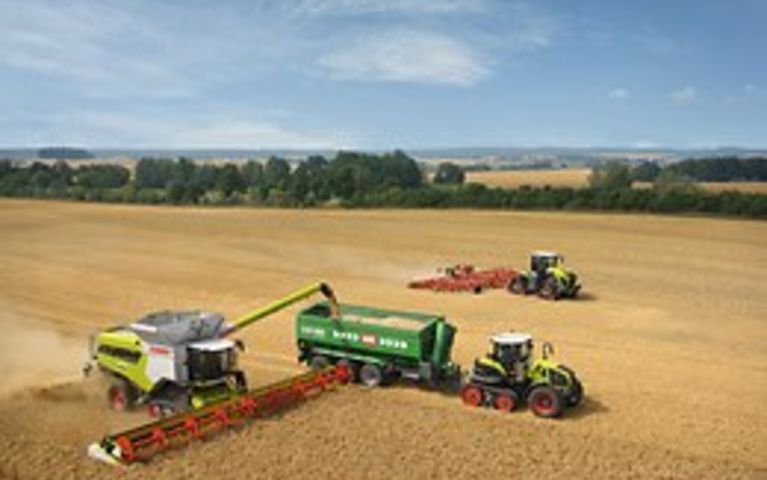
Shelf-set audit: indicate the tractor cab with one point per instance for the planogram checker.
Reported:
(542, 261)
(513, 350)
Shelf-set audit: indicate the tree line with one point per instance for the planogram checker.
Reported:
(717, 169)
(359, 180)
(315, 180)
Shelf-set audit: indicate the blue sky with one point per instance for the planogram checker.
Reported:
(383, 74)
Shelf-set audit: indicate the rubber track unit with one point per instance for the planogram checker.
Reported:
(142, 443)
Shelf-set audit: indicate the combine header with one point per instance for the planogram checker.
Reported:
(146, 441)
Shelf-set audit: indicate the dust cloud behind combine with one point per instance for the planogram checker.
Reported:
(33, 354)
(669, 339)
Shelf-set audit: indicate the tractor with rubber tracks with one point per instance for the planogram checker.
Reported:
(509, 376)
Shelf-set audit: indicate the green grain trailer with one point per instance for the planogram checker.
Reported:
(378, 345)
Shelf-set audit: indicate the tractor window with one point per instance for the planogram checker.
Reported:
(121, 353)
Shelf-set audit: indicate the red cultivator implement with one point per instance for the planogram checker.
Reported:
(142, 443)
(465, 278)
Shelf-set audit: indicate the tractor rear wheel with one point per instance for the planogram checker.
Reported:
(121, 395)
(319, 362)
(550, 289)
(517, 286)
(371, 375)
(545, 402)
(472, 395)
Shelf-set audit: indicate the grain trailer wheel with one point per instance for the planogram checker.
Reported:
(371, 375)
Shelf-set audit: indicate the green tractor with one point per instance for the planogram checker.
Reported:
(172, 361)
(546, 277)
(509, 375)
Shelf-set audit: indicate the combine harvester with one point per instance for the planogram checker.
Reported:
(183, 366)
(546, 278)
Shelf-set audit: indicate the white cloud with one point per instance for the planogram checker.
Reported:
(619, 93)
(684, 96)
(408, 56)
(103, 49)
(237, 130)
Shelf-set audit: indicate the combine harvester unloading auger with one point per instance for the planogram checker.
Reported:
(144, 442)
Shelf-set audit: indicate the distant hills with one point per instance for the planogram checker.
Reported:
(557, 156)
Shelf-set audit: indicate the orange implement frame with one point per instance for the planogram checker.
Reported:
(466, 278)
(142, 443)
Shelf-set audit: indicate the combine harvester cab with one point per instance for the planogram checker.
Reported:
(378, 345)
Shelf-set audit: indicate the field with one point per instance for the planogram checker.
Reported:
(569, 177)
(578, 177)
(670, 339)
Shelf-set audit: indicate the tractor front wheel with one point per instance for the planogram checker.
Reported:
(371, 375)
(545, 402)
(550, 289)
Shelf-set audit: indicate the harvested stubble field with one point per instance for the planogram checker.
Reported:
(670, 339)
(579, 177)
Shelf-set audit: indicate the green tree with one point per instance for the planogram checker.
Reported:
(612, 175)
(253, 174)
(277, 173)
(154, 173)
(229, 180)
(448, 172)
(101, 176)
(645, 172)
